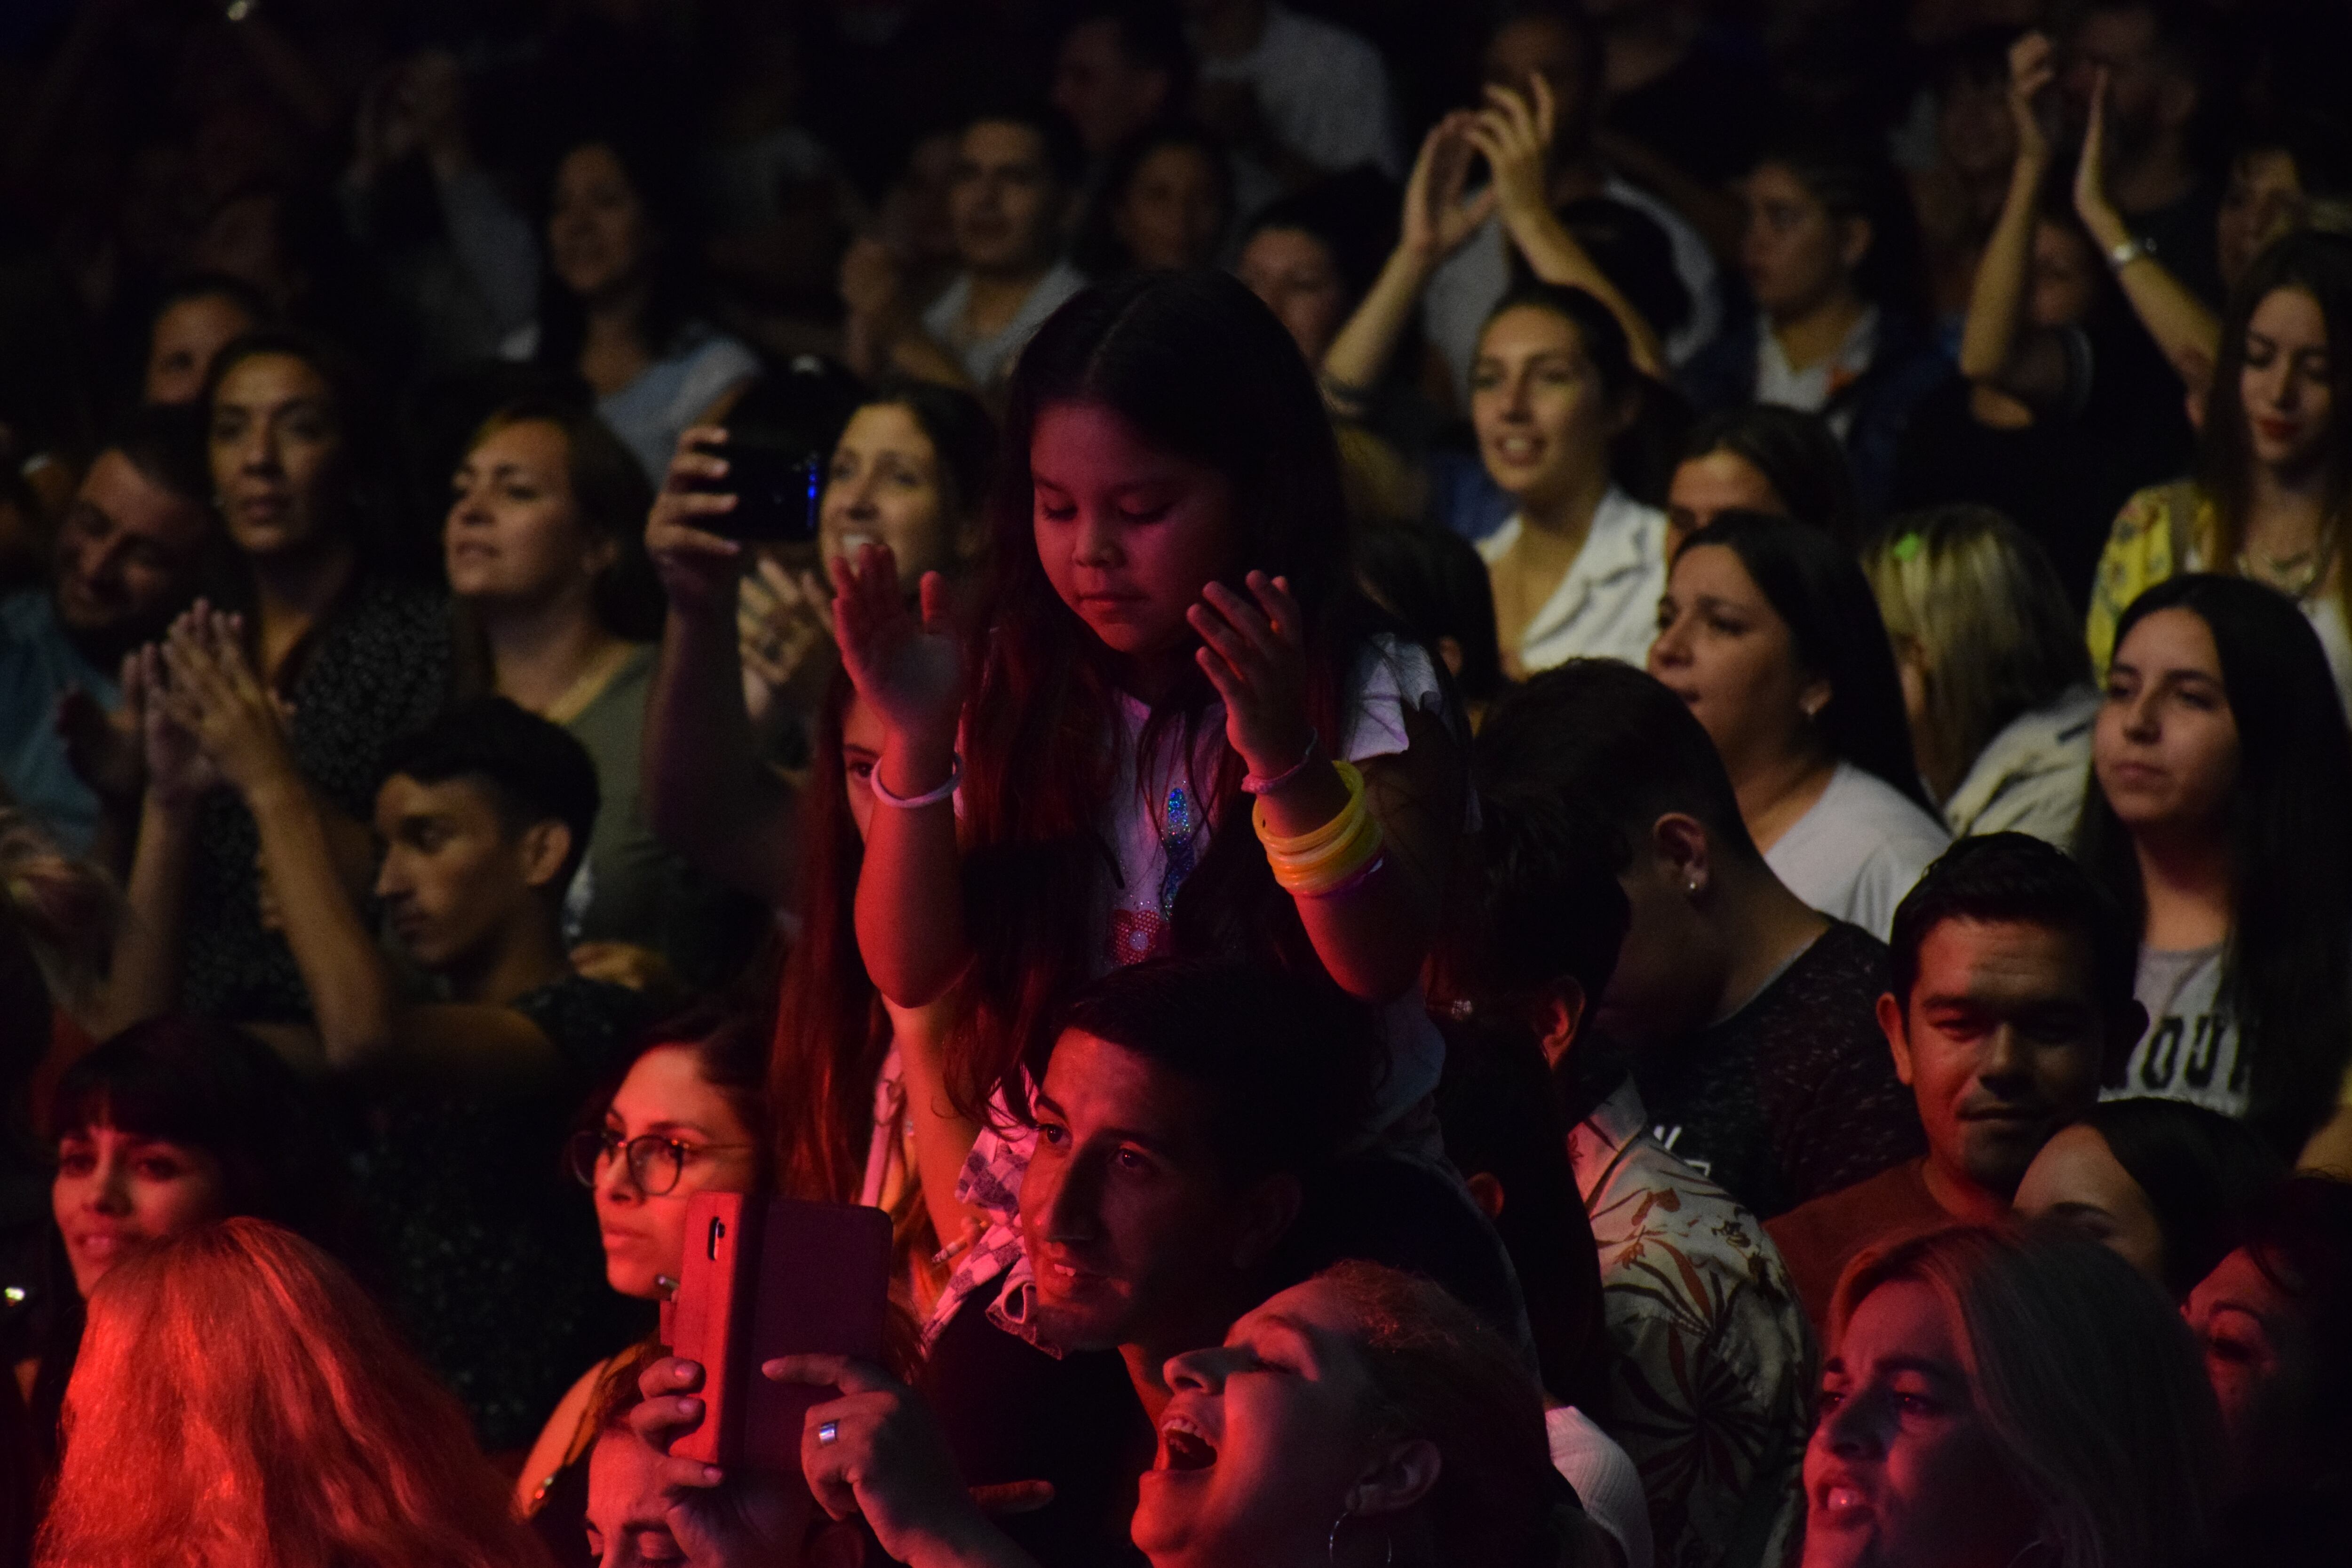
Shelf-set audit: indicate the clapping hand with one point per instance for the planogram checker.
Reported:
(1254, 651)
(213, 694)
(1437, 216)
(1515, 132)
(2032, 66)
(906, 661)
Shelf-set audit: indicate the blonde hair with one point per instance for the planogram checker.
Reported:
(2087, 1379)
(1971, 600)
(237, 1400)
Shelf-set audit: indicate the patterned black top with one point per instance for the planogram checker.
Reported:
(1795, 1094)
(491, 1253)
(378, 667)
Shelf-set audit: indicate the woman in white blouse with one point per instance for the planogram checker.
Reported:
(1577, 570)
(1768, 631)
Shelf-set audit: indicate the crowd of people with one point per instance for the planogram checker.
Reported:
(1556, 783)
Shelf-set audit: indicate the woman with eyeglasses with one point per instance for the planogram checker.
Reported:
(689, 1115)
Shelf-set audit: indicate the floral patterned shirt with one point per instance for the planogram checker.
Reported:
(2166, 529)
(1711, 1390)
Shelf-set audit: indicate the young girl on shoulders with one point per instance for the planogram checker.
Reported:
(1173, 725)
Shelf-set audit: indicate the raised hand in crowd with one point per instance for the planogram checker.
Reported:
(1515, 135)
(1437, 219)
(2187, 332)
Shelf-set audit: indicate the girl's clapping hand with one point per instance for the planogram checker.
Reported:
(1254, 651)
(906, 660)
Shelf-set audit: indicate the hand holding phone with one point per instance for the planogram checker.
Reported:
(776, 489)
(763, 1278)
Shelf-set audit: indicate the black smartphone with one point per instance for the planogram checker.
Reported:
(776, 490)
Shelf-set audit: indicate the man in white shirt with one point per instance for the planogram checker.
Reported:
(1008, 204)
(1560, 44)
(1297, 97)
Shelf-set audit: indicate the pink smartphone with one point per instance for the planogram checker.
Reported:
(763, 1278)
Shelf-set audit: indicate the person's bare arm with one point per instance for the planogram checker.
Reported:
(1997, 348)
(907, 666)
(1374, 937)
(215, 696)
(143, 973)
(2189, 334)
(944, 1135)
(1516, 137)
(1436, 221)
(705, 792)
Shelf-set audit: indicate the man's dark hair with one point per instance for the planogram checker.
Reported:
(2182, 35)
(251, 301)
(1545, 901)
(1150, 34)
(1572, 18)
(1065, 155)
(1617, 742)
(2016, 877)
(535, 770)
(166, 445)
(1286, 1063)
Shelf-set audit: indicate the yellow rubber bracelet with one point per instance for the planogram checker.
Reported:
(1317, 838)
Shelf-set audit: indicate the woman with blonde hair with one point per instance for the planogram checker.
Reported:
(239, 1401)
(1992, 1401)
(1995, 680)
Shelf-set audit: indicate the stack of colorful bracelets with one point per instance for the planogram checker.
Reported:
(1333, 859)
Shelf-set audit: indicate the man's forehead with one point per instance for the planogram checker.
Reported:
(1966, 953)
(404, 798)
(117, 489)
(1099, 1081)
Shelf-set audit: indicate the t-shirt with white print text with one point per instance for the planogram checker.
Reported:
(2191, 1050)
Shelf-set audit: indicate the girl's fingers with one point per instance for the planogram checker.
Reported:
(1221, 675)
(1281, 613)
(1246, 618)
(1238, 651)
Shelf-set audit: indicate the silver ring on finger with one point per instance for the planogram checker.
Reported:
(827, 1433)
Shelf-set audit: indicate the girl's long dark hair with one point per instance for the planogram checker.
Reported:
(1197, 367)
(2290, 841)
(1817, 587)
(2320, 264)
(832, 1033)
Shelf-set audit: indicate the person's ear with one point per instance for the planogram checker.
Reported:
(602, 552)
(1684, 854)
(1449, 652)
(1855, 235)
(1815, 699)
(1557, 1017)
(1268, 1211)
(1896, 1028)
(546, 846)
(834, 1545)
(1486, 1192)
(1395, 1480)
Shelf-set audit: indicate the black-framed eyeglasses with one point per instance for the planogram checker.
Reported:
(656, 1163)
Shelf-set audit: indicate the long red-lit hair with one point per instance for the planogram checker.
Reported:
(239, 1400)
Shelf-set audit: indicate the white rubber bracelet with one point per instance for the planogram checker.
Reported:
(917, 802)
